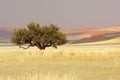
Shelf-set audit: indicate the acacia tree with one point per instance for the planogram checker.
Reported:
(39, 36)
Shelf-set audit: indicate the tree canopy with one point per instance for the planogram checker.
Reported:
(39, 36)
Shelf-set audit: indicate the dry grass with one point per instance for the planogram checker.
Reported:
(65, 63)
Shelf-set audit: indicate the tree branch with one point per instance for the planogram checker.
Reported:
(54, 46)
(25, 47)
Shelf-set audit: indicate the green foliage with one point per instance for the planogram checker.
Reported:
(40, 36)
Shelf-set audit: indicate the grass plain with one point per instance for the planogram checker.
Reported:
(68, 62)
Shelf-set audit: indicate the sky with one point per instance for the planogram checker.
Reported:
(66, 14)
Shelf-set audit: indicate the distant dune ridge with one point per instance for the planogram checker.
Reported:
(81, 35)
(5, 34)
(78, 31)
(96, 35)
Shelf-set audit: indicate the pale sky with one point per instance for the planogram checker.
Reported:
(63, 13)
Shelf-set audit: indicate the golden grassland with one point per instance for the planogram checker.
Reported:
(68, 62)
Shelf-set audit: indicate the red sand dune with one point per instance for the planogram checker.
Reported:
(102, 31)
(98, 34)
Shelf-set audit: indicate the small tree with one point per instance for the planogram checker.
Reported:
(39, 36)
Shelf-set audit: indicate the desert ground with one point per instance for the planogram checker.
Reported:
(68, 62)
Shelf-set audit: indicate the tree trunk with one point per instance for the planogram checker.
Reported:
(41, 47)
